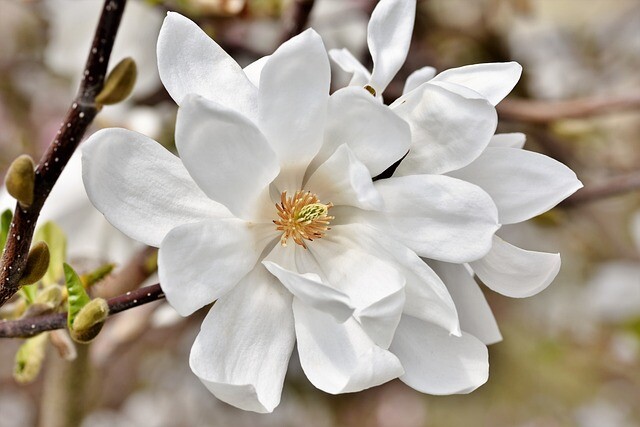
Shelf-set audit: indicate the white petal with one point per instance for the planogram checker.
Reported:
(474, 312)
(522, 183)
(493, 81)
(448, 130)
(293, 96)
(438, 363)
(508, 140)
(226, 154)
(350, 64)
(340, 357)
(375, 134)
(343, 180)
(515, 272)
(419, 76)
(437, 217)
(427, 297)
(308, 287)
(388, 37)
(198, 263)
(243, 349)
(254, 70)
(190, 62)
(140, 187)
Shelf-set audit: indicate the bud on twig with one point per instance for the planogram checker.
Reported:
(37, 264)
(29, 359)
(89, 320)
(119, 83)
(20, 180)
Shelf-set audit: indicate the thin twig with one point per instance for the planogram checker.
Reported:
(611, 187)
(549, 111)
(299, 16)
(79, 116)
(24, 328)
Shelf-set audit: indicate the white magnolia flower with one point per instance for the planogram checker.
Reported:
(523, 184)
(272, 211)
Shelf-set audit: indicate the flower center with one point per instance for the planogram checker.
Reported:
(302, 217)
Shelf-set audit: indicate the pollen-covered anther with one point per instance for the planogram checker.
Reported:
(302, 217)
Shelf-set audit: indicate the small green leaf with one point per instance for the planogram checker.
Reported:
(5, 224)
(53, 235)
(29, 292)
(97, 275)
(29, 359)
(77, 296)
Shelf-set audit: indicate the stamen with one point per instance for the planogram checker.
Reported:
(302, 217)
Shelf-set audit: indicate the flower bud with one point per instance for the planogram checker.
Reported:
(50, 295)
(29, 359)
(37, 264)
(20, 180)
(119, 83)
(88, 323)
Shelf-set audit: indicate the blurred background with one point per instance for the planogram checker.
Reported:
(570, 355)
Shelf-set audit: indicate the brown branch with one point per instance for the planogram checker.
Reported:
(549, 111)
(77, 120)
(24, 328)
(611, 187)
(298, 18)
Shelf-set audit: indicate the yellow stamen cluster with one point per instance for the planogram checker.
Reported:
(302, 217)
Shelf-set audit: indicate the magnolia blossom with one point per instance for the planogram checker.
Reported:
(523, 184)
(271, 211)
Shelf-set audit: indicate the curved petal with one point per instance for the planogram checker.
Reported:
(293, 96)
(220, 253)
(522, 183)
(350, 64)
(340, 357)
(427, 297)
(474, 312)
(448, 130)
(515, 272)
(375, 288)
(493, 81)
(226, 154)
(438, 363)
(140, 187)
(508, 140)
(389, 37)
(191, 62)
(375, 134)
(308, 287)
(254, 70)
(343, 180)
(419, 76)
(242, 351)
(436, 216)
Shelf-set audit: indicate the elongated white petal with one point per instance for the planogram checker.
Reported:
(340, 357)
(308, 287)
(140, 187)
(375, 134)
(243, 349)
(190, 62)
(448, 130)
(427, 297)
(344, 180)
(254, 70)
(198, 263)
(508, 140)
(375, 288)
(436, 216)
(474, 312)
(293, 96)
(515, 272)
(388, 37)
(350, 64)
(493, 81)
(438, 363)
(419, 76)
(226, 155)
(522, 183)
